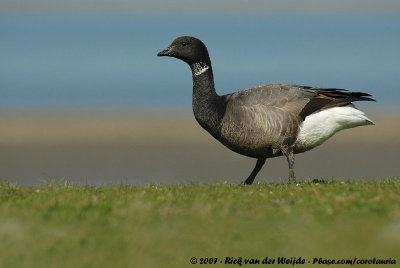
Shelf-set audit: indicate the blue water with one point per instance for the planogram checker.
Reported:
(109, 62)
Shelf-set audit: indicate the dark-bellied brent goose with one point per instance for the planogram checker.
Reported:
(269, 120)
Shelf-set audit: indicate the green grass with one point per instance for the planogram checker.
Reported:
(166, 225)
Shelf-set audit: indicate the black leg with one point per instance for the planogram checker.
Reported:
(290, 159)
(257, 168)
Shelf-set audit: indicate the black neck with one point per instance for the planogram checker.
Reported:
(207, 105)
(203, 80)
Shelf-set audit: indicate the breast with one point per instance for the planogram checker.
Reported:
(320, 126)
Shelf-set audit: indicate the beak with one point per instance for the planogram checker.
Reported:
(164, 52)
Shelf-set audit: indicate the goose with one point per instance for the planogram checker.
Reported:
(269, 120)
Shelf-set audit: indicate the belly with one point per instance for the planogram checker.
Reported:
(258, 140)
(252, 151)
(250, 142)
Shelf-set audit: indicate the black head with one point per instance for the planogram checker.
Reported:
(189, 49)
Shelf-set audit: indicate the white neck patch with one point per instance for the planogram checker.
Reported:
(199, 68)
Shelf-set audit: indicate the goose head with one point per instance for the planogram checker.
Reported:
(189, 49)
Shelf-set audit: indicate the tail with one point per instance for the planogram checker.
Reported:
(360, 114)
(327, 98)
(320, 126)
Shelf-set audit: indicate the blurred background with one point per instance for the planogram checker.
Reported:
(85, 99)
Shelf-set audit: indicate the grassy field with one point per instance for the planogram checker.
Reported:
(167, 225)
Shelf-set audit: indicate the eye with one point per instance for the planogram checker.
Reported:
(184, 44)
